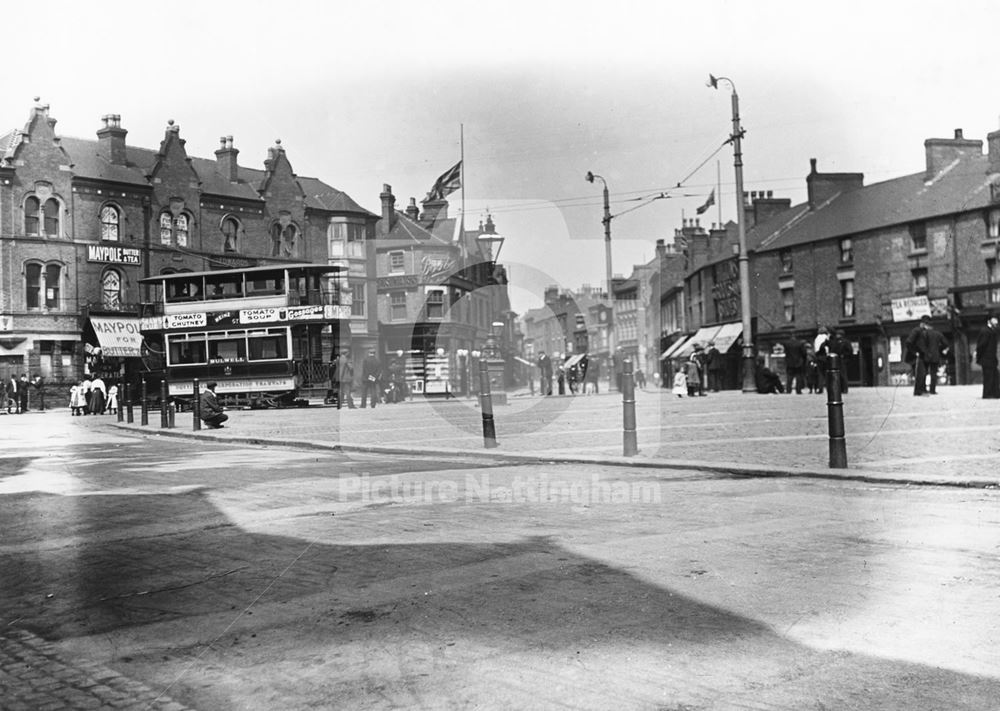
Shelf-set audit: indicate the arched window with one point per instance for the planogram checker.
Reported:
(52, 217)
(284, 240)
(174, 230)
(181, 230)
(230, 231)
(110, 223)
(32, 224)
(111, 289)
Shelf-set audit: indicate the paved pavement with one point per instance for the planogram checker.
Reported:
(950, 439)
(34, 676)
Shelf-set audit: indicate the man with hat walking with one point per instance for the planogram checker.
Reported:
(924, 348)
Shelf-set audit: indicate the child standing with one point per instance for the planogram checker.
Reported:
(680, 383)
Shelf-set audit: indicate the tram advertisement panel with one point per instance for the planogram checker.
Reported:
(245, 317)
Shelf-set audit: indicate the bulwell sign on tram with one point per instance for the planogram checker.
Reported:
(246, 317)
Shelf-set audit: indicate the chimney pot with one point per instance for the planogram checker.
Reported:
(812, 165)
(958, 133)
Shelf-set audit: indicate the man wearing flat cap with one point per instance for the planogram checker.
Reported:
(211, 411)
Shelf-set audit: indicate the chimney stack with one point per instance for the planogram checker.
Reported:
(225, 159)
(412, 211)
(824, 186)
(942, 152)
(388, 208)
(111, 139)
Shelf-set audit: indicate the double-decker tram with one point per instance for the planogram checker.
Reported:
(257, 331)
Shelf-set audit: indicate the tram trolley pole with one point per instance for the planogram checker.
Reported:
(486, 400)
(196, 406)
(143, 406)
(629, 445)
(164, 405)
(835, 414)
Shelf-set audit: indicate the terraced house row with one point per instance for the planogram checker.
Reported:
(866, 259)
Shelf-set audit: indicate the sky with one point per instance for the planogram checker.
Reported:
(537, 93)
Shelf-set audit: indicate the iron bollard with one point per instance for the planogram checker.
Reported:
(171, 415)
(143, 406)
(486, 400)
(196, 406)
(119, 397)
(835, 412)
(629, 445)
(164, 405)
(129, 415)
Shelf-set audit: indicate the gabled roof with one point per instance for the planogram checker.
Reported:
(961, 186)
(407, 232)
(321, 196)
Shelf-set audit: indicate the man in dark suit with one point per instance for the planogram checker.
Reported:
(795, 363)
(986, 356)
(544, 374)
(371, 375)
(924, 348)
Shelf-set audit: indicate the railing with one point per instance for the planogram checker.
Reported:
(312, 372)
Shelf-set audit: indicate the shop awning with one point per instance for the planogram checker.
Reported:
(119, 336)
(702, 337)
(673, 348)
(727, 336)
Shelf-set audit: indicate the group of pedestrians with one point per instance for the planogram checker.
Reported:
(572, 376)
(378, 384)
(92, 397)
(15, 392)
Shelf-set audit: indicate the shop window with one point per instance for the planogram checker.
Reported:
(397, 306)
(788, 301)
(918, 237)
(847, 298)
(110, 223)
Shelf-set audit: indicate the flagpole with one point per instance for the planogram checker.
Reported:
(461, 178)
(718, 188)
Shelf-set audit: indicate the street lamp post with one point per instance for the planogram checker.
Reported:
(749, 360)
(607, 263)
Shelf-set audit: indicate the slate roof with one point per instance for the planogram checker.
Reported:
(959, 187)
(407, 232)
(88, 162)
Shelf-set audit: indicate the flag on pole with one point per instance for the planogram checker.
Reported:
(449, 182)
(708, 203)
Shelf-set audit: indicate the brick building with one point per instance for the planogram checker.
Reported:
(441, 296)
(82, 220)
(865, 259)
